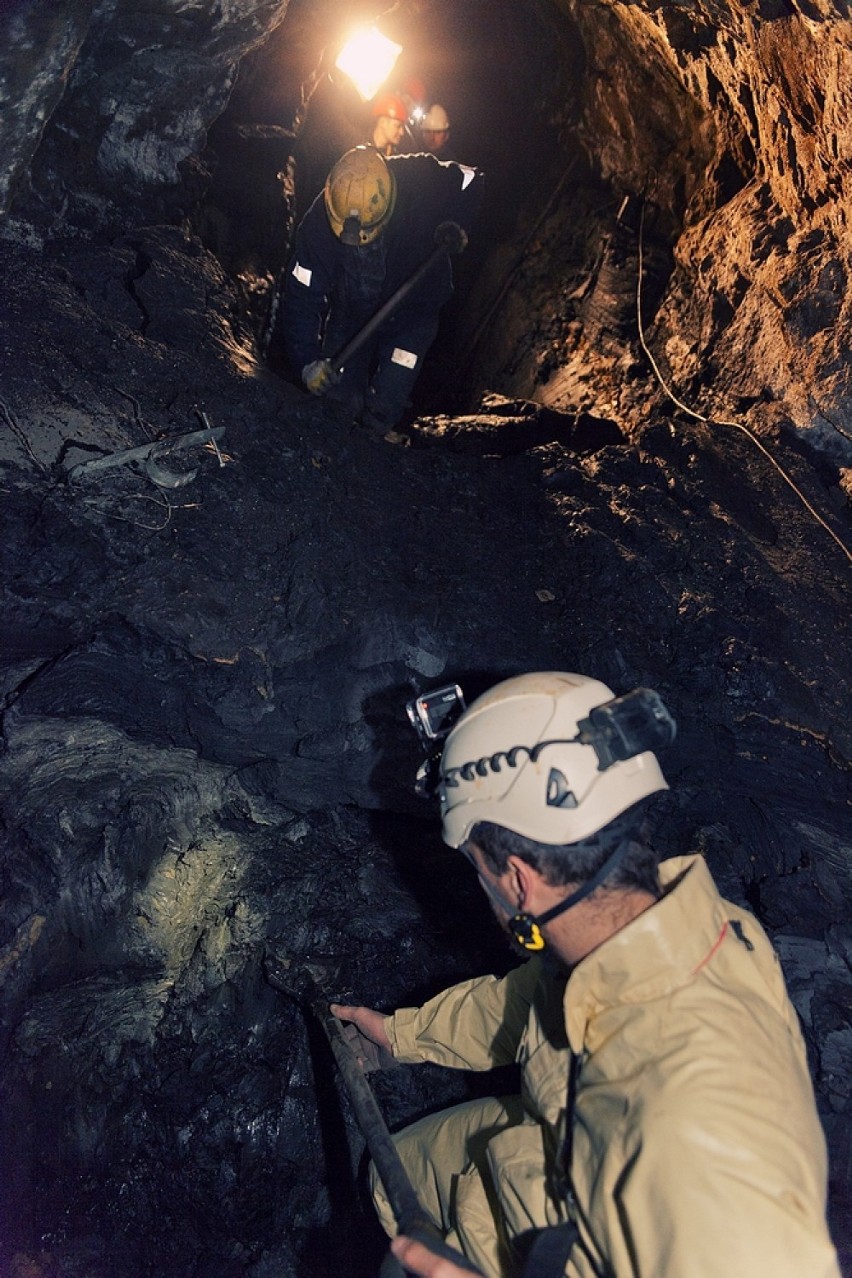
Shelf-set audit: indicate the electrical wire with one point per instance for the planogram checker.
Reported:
(710, 421)
(12, 423)
(163, 502)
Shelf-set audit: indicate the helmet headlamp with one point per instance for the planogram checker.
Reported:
(617, 730)
(432, 715)
(351, 233)
(626, 726)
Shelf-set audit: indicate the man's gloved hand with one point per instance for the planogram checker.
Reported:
(449, 235)
(319, 376)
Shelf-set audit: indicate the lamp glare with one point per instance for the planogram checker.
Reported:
(368, 59)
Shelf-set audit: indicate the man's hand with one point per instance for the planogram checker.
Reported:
(451, 236)
(418, 1259)
(365, 1031)
(319, 376)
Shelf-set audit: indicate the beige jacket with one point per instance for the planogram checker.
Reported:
(696, 1147)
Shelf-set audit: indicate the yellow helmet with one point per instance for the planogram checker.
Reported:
(359, 195)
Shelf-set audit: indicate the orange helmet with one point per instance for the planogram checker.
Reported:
(391, 105)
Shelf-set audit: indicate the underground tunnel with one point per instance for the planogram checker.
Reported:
(628, 454)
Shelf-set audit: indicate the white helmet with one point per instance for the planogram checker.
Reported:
(435, 120)
(527, 756)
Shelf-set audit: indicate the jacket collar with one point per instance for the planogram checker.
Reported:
(652, 956)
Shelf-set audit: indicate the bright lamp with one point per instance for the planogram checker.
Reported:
(368, 59)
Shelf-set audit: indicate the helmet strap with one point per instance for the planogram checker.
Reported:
(526, 928)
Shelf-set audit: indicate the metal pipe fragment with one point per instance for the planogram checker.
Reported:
(144, 451)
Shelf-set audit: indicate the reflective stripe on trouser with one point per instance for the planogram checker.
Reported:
(478, 1171)
(389, 363)
(401, 347)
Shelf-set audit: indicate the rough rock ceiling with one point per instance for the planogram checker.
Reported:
(204, 756)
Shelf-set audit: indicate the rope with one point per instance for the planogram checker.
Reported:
(713, 421)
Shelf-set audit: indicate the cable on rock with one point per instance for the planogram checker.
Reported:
(710, 421)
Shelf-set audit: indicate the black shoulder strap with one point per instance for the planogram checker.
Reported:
(546, 1251)
(549, 1252)
(570, 1103)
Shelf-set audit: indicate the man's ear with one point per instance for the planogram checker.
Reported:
(524, 880)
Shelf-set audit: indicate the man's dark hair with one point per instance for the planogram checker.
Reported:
(576, 862)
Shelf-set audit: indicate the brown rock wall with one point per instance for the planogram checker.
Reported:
(730, 122)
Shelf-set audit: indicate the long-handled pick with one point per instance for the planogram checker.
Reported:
(411, 1219)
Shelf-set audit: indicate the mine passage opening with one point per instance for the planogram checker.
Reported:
(512, 82)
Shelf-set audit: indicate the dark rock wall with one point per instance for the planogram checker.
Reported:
(113, 100)
(205, 758)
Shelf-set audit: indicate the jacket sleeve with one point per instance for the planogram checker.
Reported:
(465, 194)
(475, 1025)
(308, 284)
(457, 191)
(431, 191)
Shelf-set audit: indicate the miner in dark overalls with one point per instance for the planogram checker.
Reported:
(371, 228)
